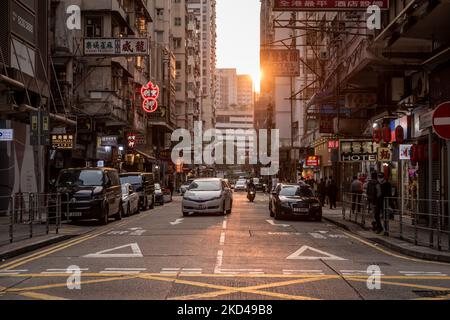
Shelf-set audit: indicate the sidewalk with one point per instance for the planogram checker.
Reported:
(391, 242)
(23, 243)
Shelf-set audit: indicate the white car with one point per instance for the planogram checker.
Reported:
(211, 195)
(130, 200)
(241, 185)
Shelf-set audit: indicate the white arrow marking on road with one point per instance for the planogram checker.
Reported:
(135, 229)
(278, 225)
(105, 253)
(297, 255)
(316, 235)
(178, 221)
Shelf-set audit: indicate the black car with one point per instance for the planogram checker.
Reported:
(144, 184)
(90, 193)
(295, 201)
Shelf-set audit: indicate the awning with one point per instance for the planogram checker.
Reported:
(146, 155)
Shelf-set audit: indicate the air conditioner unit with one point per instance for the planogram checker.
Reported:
(419, 84)
(324, 55)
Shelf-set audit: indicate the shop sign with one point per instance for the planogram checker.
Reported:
(333, 144)
(281, 62)
(62, 141)
(22, 23)
(405, 151)
(116, 46)
(6, 134)
(131, 140)
(384, 155)
(426, 120)
(109, 141)
(150, 94)
(327, 5)
(313, 161)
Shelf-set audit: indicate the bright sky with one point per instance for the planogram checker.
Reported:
(238, 36)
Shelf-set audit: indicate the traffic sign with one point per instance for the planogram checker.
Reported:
(441, 120)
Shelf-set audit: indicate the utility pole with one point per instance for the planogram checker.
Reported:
(292, 156)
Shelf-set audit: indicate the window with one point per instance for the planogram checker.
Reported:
(93, 27)
(176, 43)
(177, 21)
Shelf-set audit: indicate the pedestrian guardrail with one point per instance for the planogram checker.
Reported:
(423, 222)
(26, 215)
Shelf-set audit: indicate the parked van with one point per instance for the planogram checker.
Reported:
(92, 193)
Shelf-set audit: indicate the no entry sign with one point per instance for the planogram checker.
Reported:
(441, 120)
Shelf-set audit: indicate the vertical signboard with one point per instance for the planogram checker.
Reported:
(281, 62)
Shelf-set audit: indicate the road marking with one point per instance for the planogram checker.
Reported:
(60, 271)
(174, 271)
(41, 296)
(307, 272)
(284, 233)
(222, 238)
(11, 272)
(297, 255)
(123, 270)
(178, 221)
(278, 225)
(316, 235)
(218, 261)
(422, 273)
(241, 271)
(359, 273)
(224, 225)
(106, 253)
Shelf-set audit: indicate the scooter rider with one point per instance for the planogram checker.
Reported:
(251, 187)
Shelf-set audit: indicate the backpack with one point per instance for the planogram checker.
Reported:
(372, 191)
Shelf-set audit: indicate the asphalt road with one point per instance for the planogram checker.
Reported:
(160, 254)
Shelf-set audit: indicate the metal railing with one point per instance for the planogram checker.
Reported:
(26, 215)
(423, 222)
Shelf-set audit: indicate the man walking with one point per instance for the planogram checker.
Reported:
(332, 193)
(356, 190)
(373, 197)
(386, 193)
(322, 191)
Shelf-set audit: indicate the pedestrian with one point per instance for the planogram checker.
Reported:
(322, 191)
(373, 198)
(332, 192)
(171, 187)
(356, 190)
(386, 193)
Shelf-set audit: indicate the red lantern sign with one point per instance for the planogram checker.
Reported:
(150, 94)
(399, 134)
(376, 135)
(386, 133)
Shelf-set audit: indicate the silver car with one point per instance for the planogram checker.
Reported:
(130, 200)
(241, 185)
(212, 195)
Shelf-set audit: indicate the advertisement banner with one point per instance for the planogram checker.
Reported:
(405, 151)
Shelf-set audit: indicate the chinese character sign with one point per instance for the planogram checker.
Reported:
(119, 47)
(323, 5)
(150, 94)
(384, 155)
(281, 62)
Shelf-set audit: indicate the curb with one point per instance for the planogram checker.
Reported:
(395, 247)
(34, 246)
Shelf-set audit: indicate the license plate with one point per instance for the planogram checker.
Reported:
(75, 214)
(201, 207)
(301, 210)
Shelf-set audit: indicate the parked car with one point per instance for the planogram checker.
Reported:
(130, 200)
(211, 195)
(144, 184)
(91, 193)
(241, 185)
(159, 194)
(295, 201)
(185, 186)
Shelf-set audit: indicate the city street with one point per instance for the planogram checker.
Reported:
(162, 255)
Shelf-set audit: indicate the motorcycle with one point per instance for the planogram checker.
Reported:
(251, 195)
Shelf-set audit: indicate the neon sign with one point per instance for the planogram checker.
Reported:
(150, 94)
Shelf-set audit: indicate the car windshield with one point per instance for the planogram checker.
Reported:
(204, 185)
(80, 178)
(133, 180)
(157, 186)
(292, 191)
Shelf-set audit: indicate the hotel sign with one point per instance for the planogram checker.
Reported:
(358, 151)
(116, 46)
(327, 5)
(62, 141)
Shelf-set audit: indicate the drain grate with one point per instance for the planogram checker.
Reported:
(431, 293)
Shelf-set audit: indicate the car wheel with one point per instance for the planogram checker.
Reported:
(105, 215)
(319, 219)
(152, 205)
(231, 208)
(119, 214)
(185, 214)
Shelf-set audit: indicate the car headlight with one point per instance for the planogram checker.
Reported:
(99, 197)
(285, 204)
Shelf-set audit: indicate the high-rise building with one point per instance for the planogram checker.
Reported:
(205, 11)
(226, 88)
(245, 90)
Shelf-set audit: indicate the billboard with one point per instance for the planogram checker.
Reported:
(116, 46)
(281, 62)
(327, 5)
(23, 23)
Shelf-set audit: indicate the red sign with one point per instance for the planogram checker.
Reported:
(327, 5)
(150, 94)
(313, 161)
(333, 144)
(441, 120)
(131, 141)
